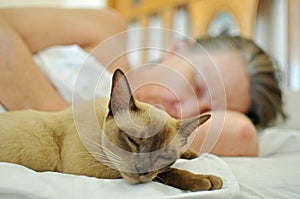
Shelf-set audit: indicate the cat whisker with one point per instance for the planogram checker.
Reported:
(111, 163)
(100, 147)
(95, 155)
(105, 159)
(104, 155)
(108, 156)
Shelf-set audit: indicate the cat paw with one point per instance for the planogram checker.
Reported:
(186, 180)
(209, 182)
(216, 182)
(189, 155)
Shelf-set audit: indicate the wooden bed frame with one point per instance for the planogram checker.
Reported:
(200, 14)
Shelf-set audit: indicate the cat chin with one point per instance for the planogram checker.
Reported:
(135, 178)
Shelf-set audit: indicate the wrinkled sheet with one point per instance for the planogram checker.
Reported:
(20, 182)
(275, 173)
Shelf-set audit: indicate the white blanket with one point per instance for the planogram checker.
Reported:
(74, 72)
(275, 173)
(20, 182)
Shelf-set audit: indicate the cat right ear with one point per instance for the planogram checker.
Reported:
(189, 125)
(121, 97)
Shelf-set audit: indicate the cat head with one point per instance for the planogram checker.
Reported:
(141, 140)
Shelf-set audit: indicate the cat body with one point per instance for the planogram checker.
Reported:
(120, 138)
(46, 141)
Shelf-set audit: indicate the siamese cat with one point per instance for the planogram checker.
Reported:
(127, 139)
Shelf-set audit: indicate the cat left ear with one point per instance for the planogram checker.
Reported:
(121, 97)
(189, 125)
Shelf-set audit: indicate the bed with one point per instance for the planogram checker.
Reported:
(273, 174)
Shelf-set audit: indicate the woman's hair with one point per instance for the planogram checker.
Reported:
(266, 95)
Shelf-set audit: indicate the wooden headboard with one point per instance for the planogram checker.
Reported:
(200, 12)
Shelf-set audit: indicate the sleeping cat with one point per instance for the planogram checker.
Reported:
(131, 140)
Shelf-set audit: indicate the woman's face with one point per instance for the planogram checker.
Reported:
(224, 73)
(221, 82)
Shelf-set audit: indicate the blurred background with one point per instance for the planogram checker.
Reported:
(277, 28)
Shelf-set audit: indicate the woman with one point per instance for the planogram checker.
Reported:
(250, 83)
(24, 86)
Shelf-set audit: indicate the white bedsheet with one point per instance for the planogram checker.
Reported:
(275, 173)
(20, 182)
(63, 64)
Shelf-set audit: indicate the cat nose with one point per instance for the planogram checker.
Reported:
(141, 171)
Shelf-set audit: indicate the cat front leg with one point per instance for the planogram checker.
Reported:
(186, 180)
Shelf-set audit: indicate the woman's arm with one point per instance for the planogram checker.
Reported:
(22, 84)
(44, 27)
(238, 136)
(40, 28)
(24, 31)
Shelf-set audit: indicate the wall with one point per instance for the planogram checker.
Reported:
(271, 30)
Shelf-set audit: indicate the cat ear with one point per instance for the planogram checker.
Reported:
(121, 97)
(189, 125)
